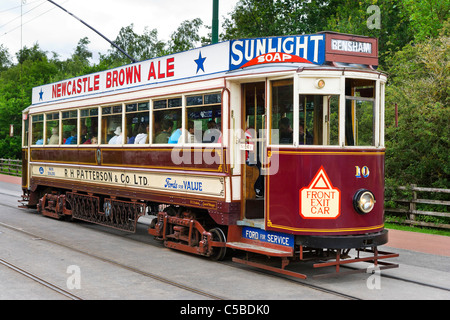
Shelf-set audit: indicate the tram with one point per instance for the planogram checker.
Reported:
(269, 146)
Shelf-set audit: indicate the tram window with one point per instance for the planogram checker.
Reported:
(359, 112)
(37, 127)
(89, 126)
(69, 127)
(204, 118)
(137, 117)
(26, 131)
(167, 120)
(282, 112)
(310, 125)
(332, 121)
(318, 120)
(112, 125)
(52, 128)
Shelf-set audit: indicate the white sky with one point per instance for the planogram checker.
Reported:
(56, 31)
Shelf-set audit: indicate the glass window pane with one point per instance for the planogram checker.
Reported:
(52, 134)
(194, 100)
(166, 122)
(112, 129)
(37, 128)
(333, 121)
(137, 127)
(282, 112)
(359, 112)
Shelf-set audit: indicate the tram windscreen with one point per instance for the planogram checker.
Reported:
(359, 112)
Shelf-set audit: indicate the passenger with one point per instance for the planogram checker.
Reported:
(118, 138)
(141, 137)
(54, 139)
(191, 136)
(285, 136)
(304, 138)
(132, 133)
(164, 135)
(94, 140)
(176, 135)
(72, 139)
(213, 134)
(84, 135)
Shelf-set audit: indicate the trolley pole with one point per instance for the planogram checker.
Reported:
(215, 22)
(101, 35)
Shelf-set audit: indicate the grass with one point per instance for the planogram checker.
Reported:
(395, 226)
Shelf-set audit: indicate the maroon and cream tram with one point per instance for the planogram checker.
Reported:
(272, 146)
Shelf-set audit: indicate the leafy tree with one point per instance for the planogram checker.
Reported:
(417, 150)
(16, 84)
(140, 47)
(426, 17)
(355, 17)
(258, 18)
(5, 58)
(186, 37)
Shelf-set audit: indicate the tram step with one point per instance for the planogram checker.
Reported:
(259, 249)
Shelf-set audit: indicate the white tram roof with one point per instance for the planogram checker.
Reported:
(230, 58)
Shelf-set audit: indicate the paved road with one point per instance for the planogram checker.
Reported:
(64, 252)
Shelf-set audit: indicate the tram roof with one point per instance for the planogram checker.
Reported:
(218, 60)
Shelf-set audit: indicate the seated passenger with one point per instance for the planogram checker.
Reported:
(164, 135)
(72, 139)
(213, 134)
(94, 140)
(54, 139)
(285, 135)
(304, 138)
(191, 136)
(176, 135)
(141, 137)
(118, 138)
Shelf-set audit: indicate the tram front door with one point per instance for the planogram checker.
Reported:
(254, 121)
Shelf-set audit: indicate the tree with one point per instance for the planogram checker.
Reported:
(186, 37)
(417, 150)
(355, 17)
(259, 18)
(140, 47)
(426, 17)
(16, 85)
(5, 58)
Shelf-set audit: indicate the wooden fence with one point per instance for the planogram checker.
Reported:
(11, 167)
(416, 199)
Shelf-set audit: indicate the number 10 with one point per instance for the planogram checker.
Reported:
(362, 172)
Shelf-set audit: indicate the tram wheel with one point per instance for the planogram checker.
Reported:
(218, 253)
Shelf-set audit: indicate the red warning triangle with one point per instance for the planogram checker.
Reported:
(321, 181)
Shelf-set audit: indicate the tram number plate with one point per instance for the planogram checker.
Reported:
(271, 237)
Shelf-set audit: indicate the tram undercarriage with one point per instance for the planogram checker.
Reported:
(194, 231)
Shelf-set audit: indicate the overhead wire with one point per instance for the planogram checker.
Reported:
(17, 7)
(14, 19)
(32, 19)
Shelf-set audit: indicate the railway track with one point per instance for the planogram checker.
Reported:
(210, 295)
(106, 260)
(40, 280)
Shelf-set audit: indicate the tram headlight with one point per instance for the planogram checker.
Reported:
(363, 201)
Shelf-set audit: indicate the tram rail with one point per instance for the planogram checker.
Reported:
(40, 280)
